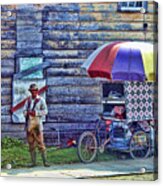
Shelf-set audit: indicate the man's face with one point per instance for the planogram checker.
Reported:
(34, 93)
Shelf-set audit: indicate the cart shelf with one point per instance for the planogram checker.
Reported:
(113, 101)
(113, 119)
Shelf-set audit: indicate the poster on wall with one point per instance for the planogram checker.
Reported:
(79, 90)
(21, 93)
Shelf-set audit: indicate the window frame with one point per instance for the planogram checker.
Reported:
(122, 8)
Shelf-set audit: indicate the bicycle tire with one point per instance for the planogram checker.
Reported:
(91, 150)
(143, 147)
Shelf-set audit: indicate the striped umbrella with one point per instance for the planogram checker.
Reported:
(123, 61)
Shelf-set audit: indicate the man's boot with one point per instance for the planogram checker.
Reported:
(43, 155)
(33, 159)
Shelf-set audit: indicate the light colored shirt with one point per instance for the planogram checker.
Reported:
(40, 109)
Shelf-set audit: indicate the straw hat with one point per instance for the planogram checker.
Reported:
(33, 87)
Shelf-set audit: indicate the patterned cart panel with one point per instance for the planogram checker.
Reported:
(139, 98)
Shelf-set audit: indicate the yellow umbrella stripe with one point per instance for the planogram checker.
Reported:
(149, 65)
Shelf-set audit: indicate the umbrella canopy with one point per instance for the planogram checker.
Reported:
(130, 61)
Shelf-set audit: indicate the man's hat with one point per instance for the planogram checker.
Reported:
(33, 87)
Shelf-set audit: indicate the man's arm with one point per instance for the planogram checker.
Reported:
(25, 109)
(43, 108)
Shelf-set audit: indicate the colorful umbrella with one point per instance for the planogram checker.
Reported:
(120, 61)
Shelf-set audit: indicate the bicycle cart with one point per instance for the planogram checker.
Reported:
(122, 128)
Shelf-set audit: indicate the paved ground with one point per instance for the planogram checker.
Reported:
(96, 169)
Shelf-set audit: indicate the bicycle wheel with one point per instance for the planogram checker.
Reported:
(139, 145)
(87, 147)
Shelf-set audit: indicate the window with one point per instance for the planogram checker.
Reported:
(29, 62)
(132, 6)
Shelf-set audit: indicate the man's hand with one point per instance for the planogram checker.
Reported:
(32, 113)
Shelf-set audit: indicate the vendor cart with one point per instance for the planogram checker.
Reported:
(128, 118)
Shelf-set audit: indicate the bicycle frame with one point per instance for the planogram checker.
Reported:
(107, 135)
(99, 126)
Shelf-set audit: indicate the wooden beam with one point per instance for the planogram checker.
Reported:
(31, 70)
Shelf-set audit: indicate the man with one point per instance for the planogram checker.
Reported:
(34, 109)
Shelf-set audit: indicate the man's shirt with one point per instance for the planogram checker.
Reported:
(40, 108)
